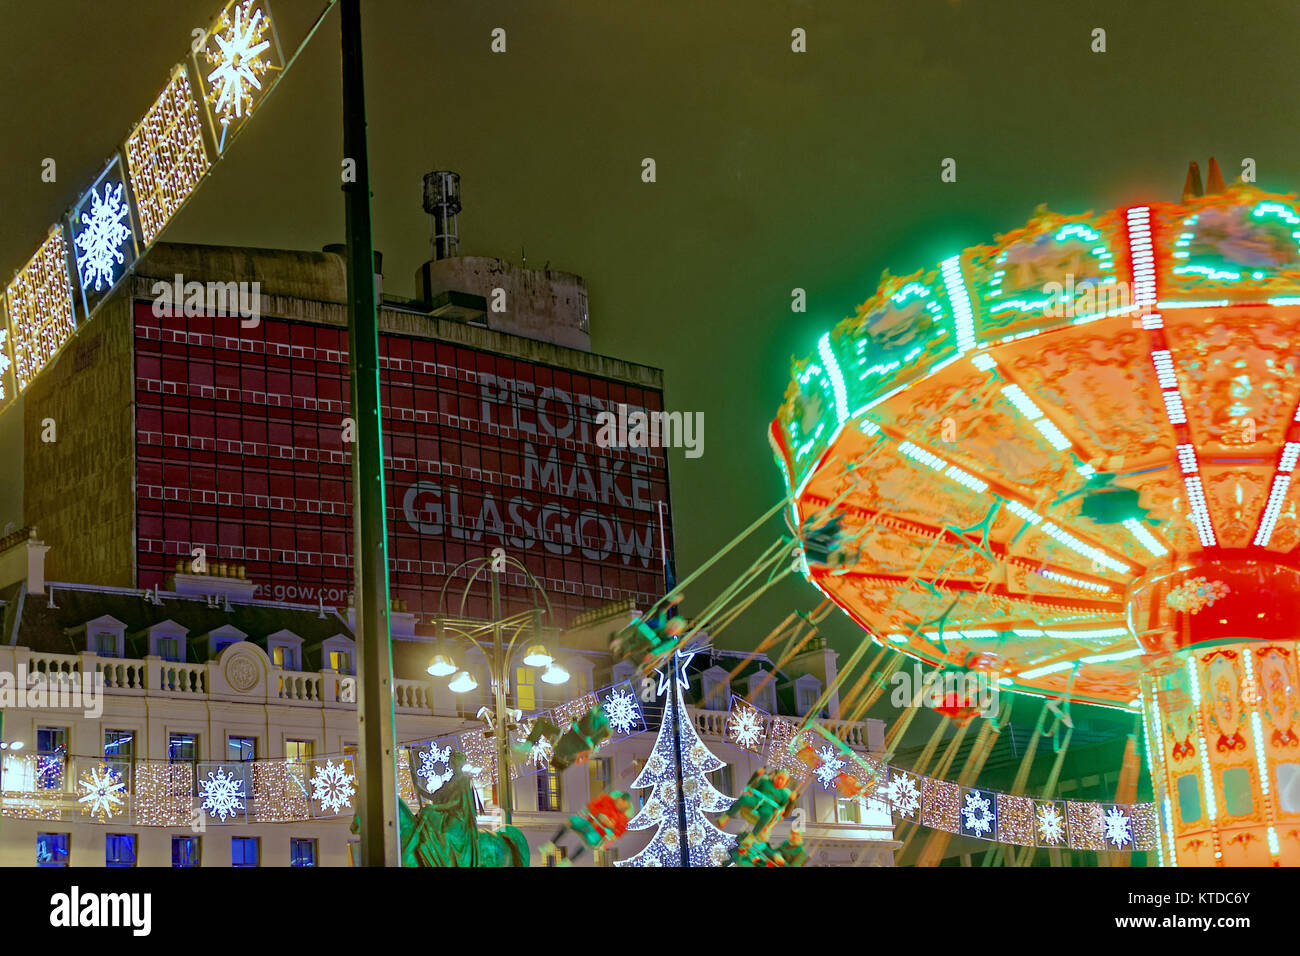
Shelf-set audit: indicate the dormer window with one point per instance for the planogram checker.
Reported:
(106, 636)
(717, 692)
(222, 637)
(167, 640)
(340, 662)
(762, 690)
(806, 691)
(337, 654)
(285, 649)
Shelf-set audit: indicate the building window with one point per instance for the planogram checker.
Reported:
(106, 645)
(602, 775)
(724, 780)
(284, 657)
(300, 750)
(848, 810)
(52, 740)
(549, 791)
(340, 662)
(51, 757)
(185, 850)
(119, 849)
(119, 745)
(244, 851)
(52, 849)
(526, 689)
(302, 852)
(716, 691)
(169, 648)
(184, 748)
(239, 749)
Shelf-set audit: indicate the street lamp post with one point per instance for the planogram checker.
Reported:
(496, 652)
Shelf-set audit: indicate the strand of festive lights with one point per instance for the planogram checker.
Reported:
(1211, 805)
(837, 378)
(1145, 537)
(1257, 731)
(963, 313)
(1151, 765)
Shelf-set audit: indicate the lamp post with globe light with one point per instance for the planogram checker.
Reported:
(495, 639)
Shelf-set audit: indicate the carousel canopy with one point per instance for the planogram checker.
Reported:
(1062, 453)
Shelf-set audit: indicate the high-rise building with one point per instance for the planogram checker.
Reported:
(172, 429)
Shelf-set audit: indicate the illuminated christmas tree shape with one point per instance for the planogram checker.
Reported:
(706, 844)
(241, 50)
(100, 237)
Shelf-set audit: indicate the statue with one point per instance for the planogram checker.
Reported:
(446, 833)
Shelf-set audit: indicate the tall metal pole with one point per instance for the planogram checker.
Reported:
(682, 842)
(500, 665)
(378, 775)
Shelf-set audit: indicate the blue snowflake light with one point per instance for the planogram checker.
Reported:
(102, 235)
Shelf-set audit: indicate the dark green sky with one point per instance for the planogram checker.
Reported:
(775, 169)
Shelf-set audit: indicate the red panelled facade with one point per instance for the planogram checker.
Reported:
(240, 450)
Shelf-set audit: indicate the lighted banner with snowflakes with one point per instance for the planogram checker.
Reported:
(40, 310)
(237, 63)
(165, 155)
(104, 238)
(747, 726)
(103, 791)
(7, 389)
(224, 789)
(333, 785)
(431, 765)
(623, 709)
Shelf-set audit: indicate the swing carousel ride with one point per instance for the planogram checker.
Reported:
(1064, 463)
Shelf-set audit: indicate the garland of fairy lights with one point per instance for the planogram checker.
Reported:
(940, 804)
(166, 157)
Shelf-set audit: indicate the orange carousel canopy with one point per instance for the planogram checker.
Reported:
(1069, 451)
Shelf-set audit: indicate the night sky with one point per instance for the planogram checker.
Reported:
(776, 170)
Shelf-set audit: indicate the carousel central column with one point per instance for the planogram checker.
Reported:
(1219, 695)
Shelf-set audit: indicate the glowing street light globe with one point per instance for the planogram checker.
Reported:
(537, 656)
(462, 683)
(1069, 456)
(555, 674)
(441, 666)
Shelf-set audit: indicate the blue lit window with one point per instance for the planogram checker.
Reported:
(119, 849)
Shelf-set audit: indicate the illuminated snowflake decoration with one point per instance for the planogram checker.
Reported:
(102, 792)
(240, 62)
(1117, 827)
(977, 813)
(830, 765)
(428, 770)
(1051, 827)
(903, 795)
(333, 787)
(1195, 594)
(746, 727)
(623, 713)
(221, 795)
(4, 359)
(101, 236)
(540, 752)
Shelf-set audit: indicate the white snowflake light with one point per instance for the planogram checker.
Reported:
(333, 787)
(622, 711)
(830, 766)
(428, 770)
(746, 727)
(1051, 825)
(222, 795)
(903, 795)
(241, 50)
(1118, 830)
(102, 792)
(977, 813)
(100, 236)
